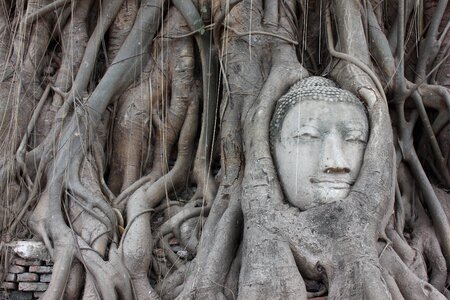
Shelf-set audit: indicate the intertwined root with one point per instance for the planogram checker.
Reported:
(110, 123)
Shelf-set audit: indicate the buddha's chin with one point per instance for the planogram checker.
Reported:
(329, 194)
(325, 195)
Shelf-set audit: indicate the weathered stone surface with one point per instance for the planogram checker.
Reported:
(45, 277)
(33, 286)
(31, 250)
(27, 277)
(41, 269)
(322, 172)
(38, 295)
(8, 285)
(16, 269)
(27, 262)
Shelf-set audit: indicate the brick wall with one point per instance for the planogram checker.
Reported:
(29, 273)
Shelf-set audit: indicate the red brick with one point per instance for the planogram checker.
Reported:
(173, 241)
(159, 252)
(49, 262)
(33, 286)
(16, 269)
(40, 269)
(19, 295)
(9, 285)
(27, 277)
(45, 277)
(11, 277)
(27, 262)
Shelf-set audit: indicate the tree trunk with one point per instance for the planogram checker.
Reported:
(138, 147)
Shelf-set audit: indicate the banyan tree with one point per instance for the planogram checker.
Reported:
(250, 149)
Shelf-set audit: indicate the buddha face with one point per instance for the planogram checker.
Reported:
(320, 150)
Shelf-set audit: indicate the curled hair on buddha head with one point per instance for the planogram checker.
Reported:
(314, 88)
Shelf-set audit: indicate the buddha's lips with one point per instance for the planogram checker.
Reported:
(336, 183)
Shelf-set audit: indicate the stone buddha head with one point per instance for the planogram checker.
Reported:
(318, 136)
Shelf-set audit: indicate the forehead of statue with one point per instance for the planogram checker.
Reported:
(325, 114)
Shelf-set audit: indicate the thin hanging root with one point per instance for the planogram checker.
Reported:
(91, 200)
(136, 251)
(116, 77)
(224, 11)
(81, 82)
(183, 91)
(351, 59)
(271, 34)
(74, 38)
(32, 196)
(121, 27)
(112, 82)
(210, 74)
(45, 10)
(434, 143)
(20, 155)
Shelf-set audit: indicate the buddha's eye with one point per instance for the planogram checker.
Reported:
(355, 136)
(307, 134)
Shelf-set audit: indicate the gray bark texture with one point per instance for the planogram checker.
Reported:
(136, 146)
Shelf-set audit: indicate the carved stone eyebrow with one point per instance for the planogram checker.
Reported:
(351, 125)
(314, 88)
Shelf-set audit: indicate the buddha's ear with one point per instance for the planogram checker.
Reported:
(368, 95)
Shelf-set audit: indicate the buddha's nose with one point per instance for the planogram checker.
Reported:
(332, 156)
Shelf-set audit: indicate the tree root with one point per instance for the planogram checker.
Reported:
(182, 91)
(206, 186)
(137, 251)
(74, 41)
(410, 286)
